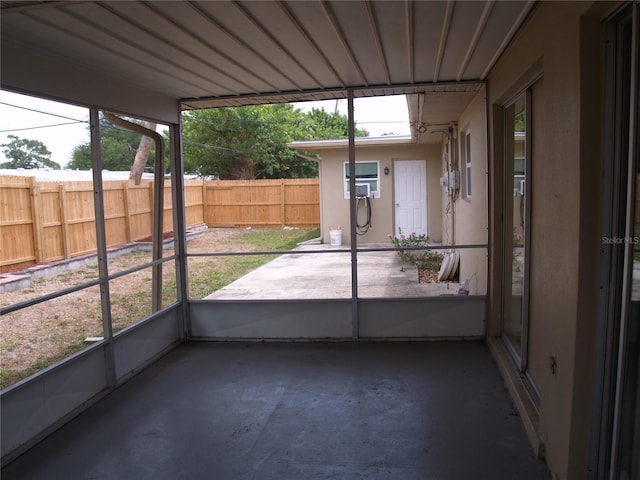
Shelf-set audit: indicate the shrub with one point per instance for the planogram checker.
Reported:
(410, 250)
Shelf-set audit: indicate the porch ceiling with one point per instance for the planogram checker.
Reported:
(218, 54)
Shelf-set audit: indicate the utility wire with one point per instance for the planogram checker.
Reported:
(43, 112)
(41, 126)
(213, 147)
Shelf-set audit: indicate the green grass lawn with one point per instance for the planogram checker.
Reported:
(205, 277)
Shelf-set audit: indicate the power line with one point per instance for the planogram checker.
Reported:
(213, 147)
(41, 126)
(43, 112)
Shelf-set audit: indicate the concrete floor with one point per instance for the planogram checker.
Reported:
(328, 275)
(298, 411)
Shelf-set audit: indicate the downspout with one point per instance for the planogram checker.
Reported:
(446, 172)
(450, 169)
(420, 127)
(158, 203)
(455, 167)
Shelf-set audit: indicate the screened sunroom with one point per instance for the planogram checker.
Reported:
(502, 168)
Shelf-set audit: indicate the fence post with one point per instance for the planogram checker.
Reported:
(127, 211)
(34, 192)
(205, 209)
(152, 206)
(282, 203)
(66, 246)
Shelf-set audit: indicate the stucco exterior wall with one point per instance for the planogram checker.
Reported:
(549, 47)
(335, 208)
(470, 216)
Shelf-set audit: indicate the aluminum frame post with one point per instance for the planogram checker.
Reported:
(179, 228)
(101, 247)
(355, 327)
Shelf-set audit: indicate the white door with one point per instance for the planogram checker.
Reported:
(410, 195)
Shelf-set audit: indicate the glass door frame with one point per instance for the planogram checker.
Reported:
(519, 353)
(615, 431)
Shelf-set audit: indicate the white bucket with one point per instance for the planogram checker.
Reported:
(336, 237)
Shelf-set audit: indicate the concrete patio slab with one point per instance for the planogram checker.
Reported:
(327, 274)
(236, 411)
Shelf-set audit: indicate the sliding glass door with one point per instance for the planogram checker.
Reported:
(516, 226)
(616, 419)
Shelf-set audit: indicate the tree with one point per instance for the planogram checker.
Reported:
(230, 143)
(319, 124)
(26, 153)
(251, 142)
(244, 143)
(520, 122)
(142, 154)
(118, 147)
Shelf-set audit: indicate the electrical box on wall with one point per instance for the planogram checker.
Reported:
(450, 180)
(454, 179)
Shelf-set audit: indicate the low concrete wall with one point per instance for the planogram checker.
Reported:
(36, 406)
(388, 318)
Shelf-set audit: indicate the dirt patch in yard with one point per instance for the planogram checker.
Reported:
(37, 336)
(212, 240)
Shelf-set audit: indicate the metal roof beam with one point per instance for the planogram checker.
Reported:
(411, 60)
(330, 94)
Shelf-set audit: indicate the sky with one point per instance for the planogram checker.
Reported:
(58, 134)
(61, 127)
(377, 115)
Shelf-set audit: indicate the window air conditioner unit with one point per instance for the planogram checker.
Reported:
(363, 190)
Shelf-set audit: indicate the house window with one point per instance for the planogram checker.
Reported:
(467, 164)
(366, 173)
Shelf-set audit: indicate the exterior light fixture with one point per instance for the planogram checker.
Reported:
(386, 170)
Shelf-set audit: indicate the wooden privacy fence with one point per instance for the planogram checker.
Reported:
(263, 203)
(43, 222)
